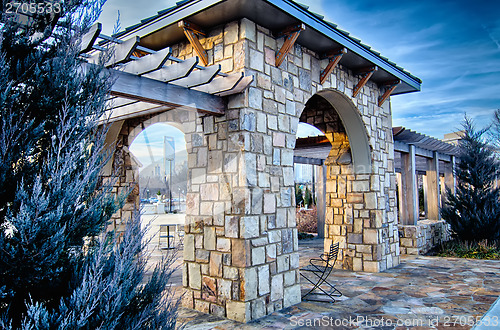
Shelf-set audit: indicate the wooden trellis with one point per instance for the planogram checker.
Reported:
(145, 83)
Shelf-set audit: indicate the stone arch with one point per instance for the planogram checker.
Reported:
(123, 164)
(353, 126)
(350, 204)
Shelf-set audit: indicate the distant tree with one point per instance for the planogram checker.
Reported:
(474, 211)
(308, 197)
(299, 199)
(57, 268)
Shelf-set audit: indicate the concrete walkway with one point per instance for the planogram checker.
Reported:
(421, 293)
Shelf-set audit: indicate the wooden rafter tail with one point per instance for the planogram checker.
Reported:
(148, 63)
(90, 37)
(390, 87)
(222, 84)
(199, 77)
(334, 59)
(291, 34)
(365, 74)
(192, 31)
(240, 86)
(123, 51)
(174, 71)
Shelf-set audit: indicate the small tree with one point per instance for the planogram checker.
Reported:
(299, 199)
(474, 211)
(308, 197)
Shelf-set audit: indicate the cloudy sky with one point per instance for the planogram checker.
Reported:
(452, 45)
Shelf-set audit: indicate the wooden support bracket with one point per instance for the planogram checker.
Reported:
(291, 34)
(334, 58)
(365, 74)
(390, 87)
(192, 31)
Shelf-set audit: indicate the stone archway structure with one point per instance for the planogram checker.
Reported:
(241, 256)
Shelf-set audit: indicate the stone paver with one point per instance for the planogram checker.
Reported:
(421, 293)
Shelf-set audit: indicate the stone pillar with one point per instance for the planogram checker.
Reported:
(321, 201)
(409, 187)
(240, 246)
(432, 180)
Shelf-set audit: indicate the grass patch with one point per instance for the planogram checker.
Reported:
(473, 250)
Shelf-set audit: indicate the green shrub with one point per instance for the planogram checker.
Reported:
(473, 250)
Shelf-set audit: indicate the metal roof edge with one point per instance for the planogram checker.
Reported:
(190, 7)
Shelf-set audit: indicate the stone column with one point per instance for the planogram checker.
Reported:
(432, 179)
(409, 187)
(240, 246)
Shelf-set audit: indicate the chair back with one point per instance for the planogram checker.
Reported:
(333, 254)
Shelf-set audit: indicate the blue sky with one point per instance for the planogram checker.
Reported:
(452, 45)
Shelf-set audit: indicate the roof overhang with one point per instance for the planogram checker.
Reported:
(162, 30)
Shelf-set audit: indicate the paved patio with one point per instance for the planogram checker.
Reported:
(421, 293)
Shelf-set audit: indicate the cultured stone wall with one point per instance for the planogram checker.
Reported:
(240, 248)
(421, 238)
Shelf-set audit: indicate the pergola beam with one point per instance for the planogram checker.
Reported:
(334, 58)
(152, 91)
(192, 31)
(365, 74)
(291, 34)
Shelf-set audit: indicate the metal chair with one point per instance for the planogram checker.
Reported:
(319, 270)
(167, 233)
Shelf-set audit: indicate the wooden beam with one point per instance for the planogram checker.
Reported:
(334, 58)
(90, 37)
(222, 84)
(306, 160)
(133, 110)
(390, 87)
(148, 63)
(409, 204)
(365, 74)
(174, 71)
(191, 31)
(291, 34)
(240, 86)
(153, 91)
(432, 178)
(118, 102)
(199, 77)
